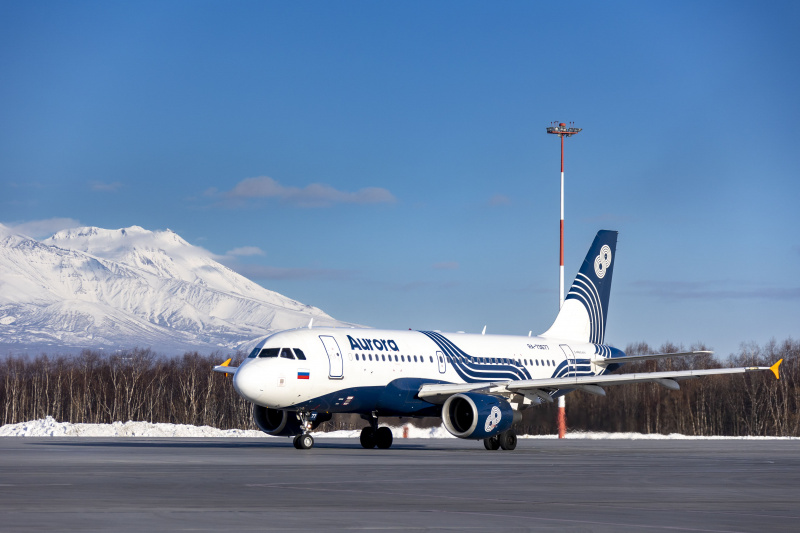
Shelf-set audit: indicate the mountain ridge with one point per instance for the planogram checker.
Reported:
(105, 289)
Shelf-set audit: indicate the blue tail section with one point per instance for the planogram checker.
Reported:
(583, 315)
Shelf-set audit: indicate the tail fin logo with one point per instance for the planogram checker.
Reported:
(602, 261)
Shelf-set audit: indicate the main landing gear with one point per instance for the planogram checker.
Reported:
(372, 435)
(506, 440)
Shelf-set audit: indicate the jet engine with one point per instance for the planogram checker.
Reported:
(280, 423)
(276, 422)
(470, 415)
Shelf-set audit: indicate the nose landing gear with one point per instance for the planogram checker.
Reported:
(304, 441)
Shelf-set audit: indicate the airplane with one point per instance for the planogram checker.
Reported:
(477, 384)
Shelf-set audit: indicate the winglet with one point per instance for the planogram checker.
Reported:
(228, 362)
(775, 367)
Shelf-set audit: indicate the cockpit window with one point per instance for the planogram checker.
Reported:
(269, 352)
(286, 353)
(254, 353)
(299, 353)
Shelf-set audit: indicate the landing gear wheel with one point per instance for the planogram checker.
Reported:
(368, 438)
(508, 440)
(491, 443)
(304, 441)
(383, 438)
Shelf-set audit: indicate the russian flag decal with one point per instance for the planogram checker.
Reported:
(303, 374)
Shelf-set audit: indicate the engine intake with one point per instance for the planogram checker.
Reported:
(283, 423)
(470, 415)
(276, 422)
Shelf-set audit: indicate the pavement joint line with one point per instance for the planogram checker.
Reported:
(506, 516)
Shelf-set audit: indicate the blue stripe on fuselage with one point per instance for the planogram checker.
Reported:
(470, 369)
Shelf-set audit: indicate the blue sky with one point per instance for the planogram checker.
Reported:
(388, 162)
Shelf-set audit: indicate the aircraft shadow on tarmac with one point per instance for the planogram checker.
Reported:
(168, 442)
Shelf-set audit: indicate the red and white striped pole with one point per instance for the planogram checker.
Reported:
(561, 238)
(562, 404)
(562, 131)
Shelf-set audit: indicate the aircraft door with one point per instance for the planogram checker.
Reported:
(572, 364)
(335, 362)
(442, 362)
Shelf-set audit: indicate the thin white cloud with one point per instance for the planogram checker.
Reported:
(245, 251)
(715, 290)
(261, 272)
(105, 187)
(498, 200)
(313, 195)
(39, 229)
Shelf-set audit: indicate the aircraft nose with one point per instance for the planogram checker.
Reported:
(248, 383)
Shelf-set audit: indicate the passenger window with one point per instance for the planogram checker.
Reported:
(299, 353)
(286, 353)
(403, 358)
(370, 357)
(415, 358)
(431, 359)
(383, 357)
(269, 352)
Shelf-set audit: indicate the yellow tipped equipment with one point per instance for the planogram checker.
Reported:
(774, 369)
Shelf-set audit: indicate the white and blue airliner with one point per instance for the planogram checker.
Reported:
(478, 384)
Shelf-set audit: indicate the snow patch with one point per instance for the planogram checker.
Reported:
(49, 427)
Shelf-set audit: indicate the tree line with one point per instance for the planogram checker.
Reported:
(142, 385)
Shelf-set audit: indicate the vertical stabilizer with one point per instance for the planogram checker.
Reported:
(582, 318)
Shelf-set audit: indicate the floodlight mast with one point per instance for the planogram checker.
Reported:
(562, 130)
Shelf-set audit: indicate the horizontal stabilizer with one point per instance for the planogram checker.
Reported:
(225, 369)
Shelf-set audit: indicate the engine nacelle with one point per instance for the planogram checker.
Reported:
(283, 423)
(470, 415)
(276, 422)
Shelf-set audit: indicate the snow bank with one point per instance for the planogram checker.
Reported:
(49, 427)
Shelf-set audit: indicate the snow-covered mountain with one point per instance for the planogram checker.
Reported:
(98, 288)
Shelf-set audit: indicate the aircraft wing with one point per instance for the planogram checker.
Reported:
(541, 388)
(647, 357)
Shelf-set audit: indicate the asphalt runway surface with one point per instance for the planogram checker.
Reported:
(161, 484)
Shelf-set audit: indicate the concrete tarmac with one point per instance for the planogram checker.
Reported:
(149, 484)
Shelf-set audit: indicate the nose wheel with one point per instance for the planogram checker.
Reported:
(304, 441)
